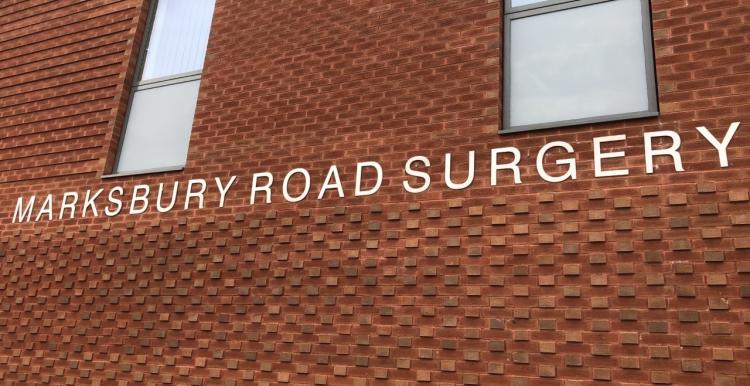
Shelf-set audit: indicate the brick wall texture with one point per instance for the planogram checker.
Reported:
(631, 280)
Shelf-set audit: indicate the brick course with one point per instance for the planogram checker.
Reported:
(636, 280)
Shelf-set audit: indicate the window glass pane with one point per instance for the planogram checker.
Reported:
(518, 3)
(158, 128)
(178, 37)
(578, 63)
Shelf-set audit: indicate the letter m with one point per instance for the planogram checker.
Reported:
(22, 214)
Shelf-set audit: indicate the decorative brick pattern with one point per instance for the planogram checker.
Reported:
(636, 280)
(299, 296)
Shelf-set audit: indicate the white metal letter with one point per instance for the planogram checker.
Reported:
(421, 175)
(599, 156)
(722, 146)
(469, 177)
(90, 202)
(333, 173)
(285, 187)
(142, 198)
(670, 151)
(165, 209)
(224, 189)
(511, 166)
(358, 188)
(68, 205)
(265, 188)
(113, 200)
(571, 162)
(198, 194)
(23, 215)
(45, 209)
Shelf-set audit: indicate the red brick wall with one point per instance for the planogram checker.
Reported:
(644, 279)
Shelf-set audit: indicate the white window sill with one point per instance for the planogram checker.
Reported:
(144, 171)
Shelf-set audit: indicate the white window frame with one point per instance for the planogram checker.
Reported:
(549, 6)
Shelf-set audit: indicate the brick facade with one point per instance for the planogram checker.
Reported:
(642, 279)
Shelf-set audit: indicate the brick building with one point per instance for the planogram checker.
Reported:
(516, 271)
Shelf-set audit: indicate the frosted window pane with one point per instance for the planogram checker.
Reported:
(179, 37)
(578, 63)
(158, 128)
(518, 3)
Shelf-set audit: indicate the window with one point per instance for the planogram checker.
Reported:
(574, 62)
(160, 115)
